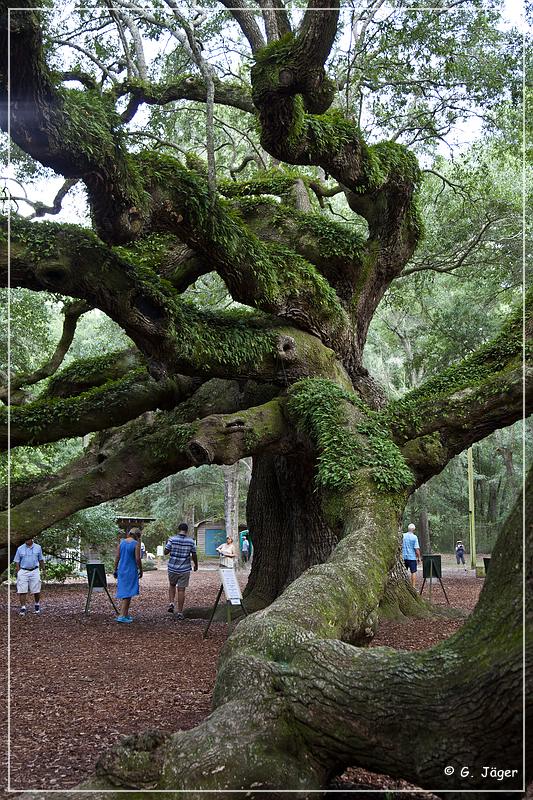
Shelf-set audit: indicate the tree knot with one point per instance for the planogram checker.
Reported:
(136, 762)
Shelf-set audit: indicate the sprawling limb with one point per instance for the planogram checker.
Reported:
(148, 456)
(50, 419)
(174, 336)
(186, 87)
(312, 691)
(489, 389)
(72, 312)
(211, 397)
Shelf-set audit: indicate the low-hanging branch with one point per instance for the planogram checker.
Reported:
(215, 395)
(50, 419)
(72, 312)
(165, 447)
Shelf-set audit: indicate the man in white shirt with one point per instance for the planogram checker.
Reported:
(28, 559)
(411, 552)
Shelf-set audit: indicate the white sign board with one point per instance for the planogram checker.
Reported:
(159, 551)
(232, 590)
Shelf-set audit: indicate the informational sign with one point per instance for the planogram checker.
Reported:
(96, 576)
(432, 566)
(232, 590)
(159, 551)
(97, 582)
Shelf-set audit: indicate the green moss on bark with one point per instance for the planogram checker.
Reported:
(318, 409)
(84, 371)
(218, 230)
(45, 412)
(476, 373)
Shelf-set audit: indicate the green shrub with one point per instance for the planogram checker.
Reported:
(59, 572)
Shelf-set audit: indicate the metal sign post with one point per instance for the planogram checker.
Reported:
(230, 586)
(97, 580)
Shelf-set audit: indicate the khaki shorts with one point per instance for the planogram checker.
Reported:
(28, 580)
(179, 579)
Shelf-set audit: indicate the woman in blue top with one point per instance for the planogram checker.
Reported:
(128, 570)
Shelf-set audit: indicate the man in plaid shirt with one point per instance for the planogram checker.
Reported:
(181, 549)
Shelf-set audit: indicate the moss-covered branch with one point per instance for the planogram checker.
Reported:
(88, 373)
(152, 452)
(49, 419)
(336, 249)
(72, 312)
(380, 181)
(264, 275)
(489, 389)
(174, 336)
(76, 133)
(184, 87)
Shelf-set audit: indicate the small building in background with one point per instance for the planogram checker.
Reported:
(208, 537)
(126, 523)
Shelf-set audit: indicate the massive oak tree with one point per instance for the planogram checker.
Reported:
(280, 379)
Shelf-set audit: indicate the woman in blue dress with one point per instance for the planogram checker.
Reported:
(128, 570)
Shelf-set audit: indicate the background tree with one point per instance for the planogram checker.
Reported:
(278, 374)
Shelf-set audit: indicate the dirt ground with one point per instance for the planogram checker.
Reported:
(79, 683)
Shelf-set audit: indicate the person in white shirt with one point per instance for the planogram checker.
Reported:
(28, 559)
(227, 553)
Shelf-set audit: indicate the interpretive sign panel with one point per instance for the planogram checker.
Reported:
(97, 580)
(96, 576)
(432, 566)
(232, 590)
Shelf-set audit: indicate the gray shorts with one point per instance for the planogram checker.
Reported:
(179, 579)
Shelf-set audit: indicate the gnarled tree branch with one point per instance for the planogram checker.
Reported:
(170, 446)
(72, 312)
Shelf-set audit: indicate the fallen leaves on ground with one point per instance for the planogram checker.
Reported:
(79, 683)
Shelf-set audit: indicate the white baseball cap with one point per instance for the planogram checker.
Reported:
(411, 527)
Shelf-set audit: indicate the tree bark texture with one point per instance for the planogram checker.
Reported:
(330, 480)
(327, 704)
(287, 526)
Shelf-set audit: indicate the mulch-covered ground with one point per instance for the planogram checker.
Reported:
(79, 683)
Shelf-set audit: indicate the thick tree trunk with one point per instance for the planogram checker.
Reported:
(286, 523)
(317, 704)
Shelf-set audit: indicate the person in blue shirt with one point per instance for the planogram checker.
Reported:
(245, 549)
(182, 550)
(411, 552)
(28, 559)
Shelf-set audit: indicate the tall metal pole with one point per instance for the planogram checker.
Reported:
(471, 517)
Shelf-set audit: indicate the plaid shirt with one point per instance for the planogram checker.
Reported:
(180, 549)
